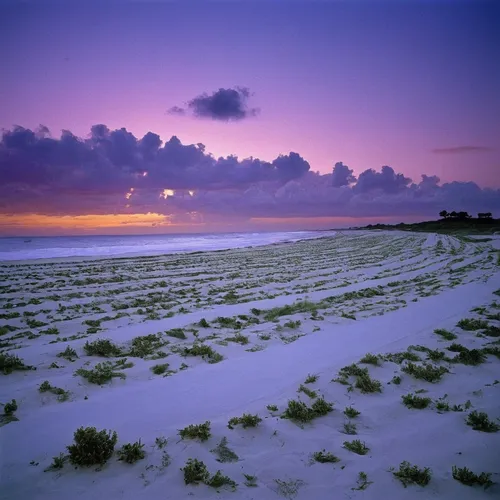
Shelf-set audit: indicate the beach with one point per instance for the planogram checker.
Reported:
(207, 336)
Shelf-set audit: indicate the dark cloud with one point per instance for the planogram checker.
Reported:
(112, 171)
(462, 149)
(342, 175)
(223, 105)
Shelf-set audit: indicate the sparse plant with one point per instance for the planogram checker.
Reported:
(10, 408)
(324, 457)
(195, 471)
(447, 335)
(131, 452)
(416, 402)
(92, 447)
(370, 359)
(199, 431)
(480, 421)
(353, 371)
(224, 453)
(312, 394)
(250, 481)
(160, 369)
(69, 353)
(351, 412)
(412, 474)
(203, 323)
(246, 420)
(292, 324)
(362, 482)
(272, 407)
(11, 362)
(399, 357)
(472, 357)
(469, 478)
(290, 488)
(367, 385)
(161, 442)
(238, 339)
(145, 345)
(205, 351)
(350, 428)
(218, 480)
(311, 379)
(177, 333)
(100, 374)
(57, 463)
(396, 380)
(471, 324)
(102, 347)
(427, 372)
(356, 446)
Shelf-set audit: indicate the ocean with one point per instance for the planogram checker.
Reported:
(46, 247)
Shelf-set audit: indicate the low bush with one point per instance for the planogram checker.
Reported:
(11, 362)
(199, 431)
(102, 347)
(246, 420)
(367, 385)
(427, 372)
(356, 446)
(415, 402)
(131, 452)
(412, 474)
(325, 457)
(480, 421)
(467, 477)
(92, 447)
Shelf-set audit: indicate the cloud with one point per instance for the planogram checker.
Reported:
(222, 105)
(113, 172)
(462, 150)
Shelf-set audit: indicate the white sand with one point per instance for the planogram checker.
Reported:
(426, 282)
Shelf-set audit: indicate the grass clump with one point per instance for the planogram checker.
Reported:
(415, 402)
(203, 323)
(356, 446)
(310, 379)
(324, 457)
(10, 408)
(92, 447)
(272, 407)
(199, 431)
(472, 324)
(61, 394)
(101, 373)
(370, 359)
(57, 463)
(292, 324)
(102, 347)
(205, 351)
(367, 385)
(472, 357)
(246, 420)
(160, 369)
(352, 371)
(224, 453)
(145, 345)
(396, 380)
(350, 428)
(195, 471)
(427, 372)
(69, 353)
(411, 474)
(362, 482)
(250, 481)
(312, 394)
(480, 421)
(300, 412)
(11, 362)
(131, 452)
(218, 480)
(351, 412)
(445, 334)
(399, 357)
(238, 339)
(177, 333)
(467, 477)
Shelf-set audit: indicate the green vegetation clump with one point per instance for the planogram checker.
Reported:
(145, 345)
(272, 407)
(239, 339)
(11, 362)
(69, 353)
(467, 477)
(356, 446)
(325, 457)
(101, 373)
(218, 480)
(472, 357)
(61, 394)
(480, 421)
(203, 323)
(312, 394)
(10, 408)
(367, 385)
(300, 412)
(471, 324)
(416, 402)
(370, 359)
(311, 379)
(177, 333)
(57, 463)
(427, 372)
(205, 351)
(102, 347)
(92, 447)
(224, 453)
(292, 324)
(160, 369)
(411, 474)
(199, 431)
(351, 412)
(246, 420)
(131, 452)
(195, 471)
(399, 357)
(447, 335)
(353, 371)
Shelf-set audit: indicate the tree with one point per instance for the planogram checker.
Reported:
(453, 214)
(485, 215)
(443, 214)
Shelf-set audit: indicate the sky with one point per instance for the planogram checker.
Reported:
(212, 116)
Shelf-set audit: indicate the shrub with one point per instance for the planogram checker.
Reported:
(467, 477)
(427, 372)
(218, 480)
(352, 370)
(195, 471)
(350, 428)
(239, 339)
(493, 331)
(246, 420)
(100, 374)
(224, 453)
(92, 447)
(480, 421)
(311, 379)
(177, 333)
(436, 355)
(445, 334)
(312, 394)
(471, 324)
(69, 353)
(324, 457)
(11, 362)
(399, 357)
(416, 402)
(102, 347)
(57, 463)
(251, 481)
(456, 347)
(145, 345)
(411, 474)
(203, 323)
(131, 452)
(351, 412)
(396, 380)
(160, 369)
(61, 394)
(292, 324)
(367, 385)
(356, 446)
(200, 431)
(472, 357)
(272, 407)
(370, 359)
(205, 351)
(320, 407)
(10, 408)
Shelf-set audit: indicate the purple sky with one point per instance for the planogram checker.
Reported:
(413, 85)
